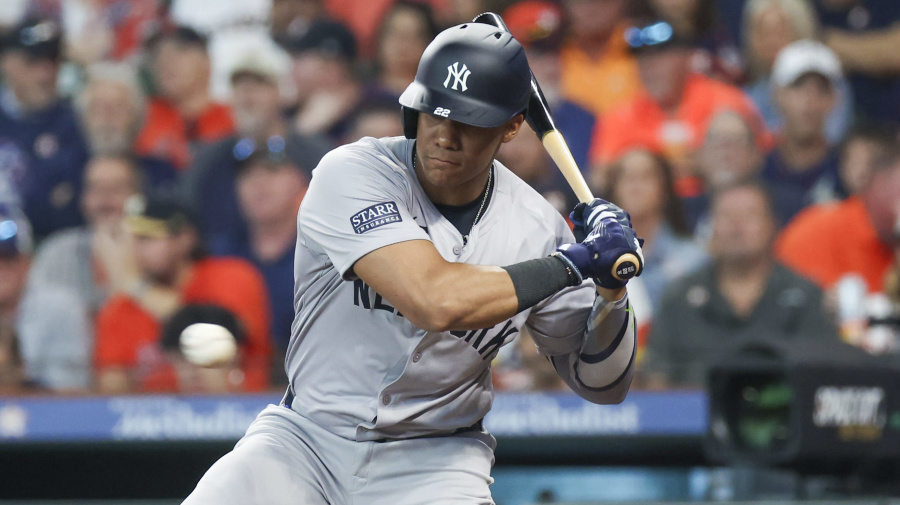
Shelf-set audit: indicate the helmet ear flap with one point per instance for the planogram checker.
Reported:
(410, 121)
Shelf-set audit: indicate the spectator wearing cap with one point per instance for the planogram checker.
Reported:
(541, 26)
(716, 54)
(769, 26)
(405, 30)
(324, 71)
(111, 107)
(289, 19)
(261, 124)
(671, 115)
(803, 166)
(269, 189)
(40, 137)
(173, 271)
(865, 35)
(182, 116)
(47, 326)
(598, 70)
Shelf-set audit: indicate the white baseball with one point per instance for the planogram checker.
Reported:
(208, 345)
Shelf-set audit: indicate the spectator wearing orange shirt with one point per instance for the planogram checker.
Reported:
(827, 242)
(173, 273)
(599, 72)
(183, 113)
(671, 116)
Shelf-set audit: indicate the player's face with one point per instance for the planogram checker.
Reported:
(453, 157)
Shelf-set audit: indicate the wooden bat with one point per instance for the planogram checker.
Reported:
(541, 121)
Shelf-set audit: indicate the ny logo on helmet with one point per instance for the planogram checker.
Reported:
(459, 76)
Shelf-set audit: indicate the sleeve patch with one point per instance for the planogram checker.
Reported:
(375, 216)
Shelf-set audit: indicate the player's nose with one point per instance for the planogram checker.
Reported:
(448, 134)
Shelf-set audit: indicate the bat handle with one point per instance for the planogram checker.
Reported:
(625, 267)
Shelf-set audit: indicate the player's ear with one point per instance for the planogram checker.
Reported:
(512, 127)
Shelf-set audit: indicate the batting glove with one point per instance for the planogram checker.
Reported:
(609, 236)
(586, 215)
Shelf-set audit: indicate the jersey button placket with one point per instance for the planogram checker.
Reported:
(416, 357)
(385, 399)
(457, 250)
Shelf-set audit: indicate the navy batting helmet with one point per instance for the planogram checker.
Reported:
(473, 73)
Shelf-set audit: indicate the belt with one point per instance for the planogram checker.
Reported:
(288, 399)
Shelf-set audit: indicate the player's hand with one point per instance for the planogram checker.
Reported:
(610, 236)
(585, 216)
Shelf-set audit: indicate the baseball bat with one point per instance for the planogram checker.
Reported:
(541, 121)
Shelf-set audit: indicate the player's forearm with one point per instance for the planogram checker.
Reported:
(466, 297)
(601, 371)
(437, 295)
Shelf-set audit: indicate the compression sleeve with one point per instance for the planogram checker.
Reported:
(601, 370)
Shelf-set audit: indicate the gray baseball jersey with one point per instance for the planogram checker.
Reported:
(357, 365)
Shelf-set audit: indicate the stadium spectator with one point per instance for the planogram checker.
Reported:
(290, 19)
(108, 30)
(865, 35)
(174, 272)
(742, 295)
(92, 261)
(269, 190)
(670, 117)
(40, 142)
(729, 154)
(378, 118)
(716, 54)
(862, 147)
(111, 107)
(642, 184)
(803, 167)
(541, 26)
(405, 30)
(257, 100)
(324, 72)
(183, 114)
(856, 236)
(526, 157)
(769, 26)
(50, 325)
(598, 71)
(195, 378)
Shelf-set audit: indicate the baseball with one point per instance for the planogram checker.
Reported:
(207, 345)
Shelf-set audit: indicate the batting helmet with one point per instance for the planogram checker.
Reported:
(473, 73)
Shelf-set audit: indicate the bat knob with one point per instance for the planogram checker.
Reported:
(625, 267)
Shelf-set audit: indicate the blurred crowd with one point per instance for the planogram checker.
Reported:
(154, 154)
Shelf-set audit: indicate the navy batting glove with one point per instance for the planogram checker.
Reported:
(596, 256)
(585, 216)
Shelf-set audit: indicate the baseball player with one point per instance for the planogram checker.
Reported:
(417, 259)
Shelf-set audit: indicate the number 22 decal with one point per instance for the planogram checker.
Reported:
(440, 111)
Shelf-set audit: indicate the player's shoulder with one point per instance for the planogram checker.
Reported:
(531, 210)
(368, 152)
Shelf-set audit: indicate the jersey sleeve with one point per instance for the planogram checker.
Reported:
(356, 203)
(557, 324)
